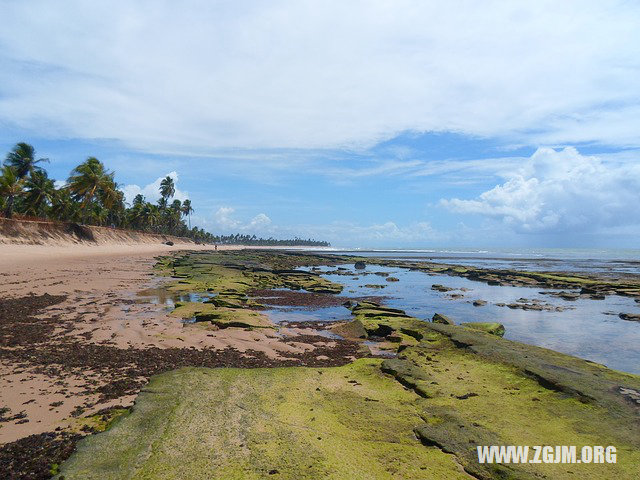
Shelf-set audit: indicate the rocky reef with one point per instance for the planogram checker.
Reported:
(427, 396)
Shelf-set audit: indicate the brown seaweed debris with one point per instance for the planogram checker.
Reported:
(36, 457)
(18, 322)
(125, 371)
(296, 298)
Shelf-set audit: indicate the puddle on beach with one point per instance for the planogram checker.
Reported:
(306, 314)
(586, 329)
(162, 296)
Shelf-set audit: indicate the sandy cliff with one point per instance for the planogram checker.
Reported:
(28, 232)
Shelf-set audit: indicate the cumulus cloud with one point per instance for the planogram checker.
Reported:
(338, 233)
(351, 234)
(561, 191)
(385, 232)
(152, 191)
(196, 76)
(223, 219)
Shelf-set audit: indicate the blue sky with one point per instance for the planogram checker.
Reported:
(386, 124)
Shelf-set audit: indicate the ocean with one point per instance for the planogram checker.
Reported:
(584, 327)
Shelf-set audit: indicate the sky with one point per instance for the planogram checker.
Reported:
(364, 123)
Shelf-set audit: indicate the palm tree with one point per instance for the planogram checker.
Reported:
(162, 203)
(167, 187)
(22, 158)
(89, 179)
(10, 187)
(138, 200)
(63, 207)
(187, 210)
(115, 198)
(173, 216)
(40, 192)
(150, 216)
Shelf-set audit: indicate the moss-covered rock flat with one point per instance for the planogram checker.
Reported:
(241, 272)
(479, 389)
(418, 415)
(350, 422)
(222, 317)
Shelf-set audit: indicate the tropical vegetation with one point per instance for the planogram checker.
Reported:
(91, 196)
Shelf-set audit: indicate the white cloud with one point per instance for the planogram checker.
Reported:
(385, 232)
(561, 191)
(223, 220)
(196, 76)
(338, 233)
(152, 191)
(351, 234)
(259, 222)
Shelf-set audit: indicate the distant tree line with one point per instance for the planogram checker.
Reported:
(91, 196)
(239, 239)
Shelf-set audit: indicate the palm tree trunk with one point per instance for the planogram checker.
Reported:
(9, 208)
(84, 205)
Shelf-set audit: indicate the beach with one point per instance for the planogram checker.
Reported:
(89, 294)
(86, 327)
(320, 240)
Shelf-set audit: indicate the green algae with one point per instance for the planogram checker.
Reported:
(449, 389)
(103, 420)
(352, 329)
(480, 389)
(222, 317)
(227, 317)
(294, 423)
(244, 271)
(440, 318)
(492, 328)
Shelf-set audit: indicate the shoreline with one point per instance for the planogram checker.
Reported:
(452, 378)
(100, 326)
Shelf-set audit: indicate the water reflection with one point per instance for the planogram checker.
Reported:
(587, 330)
(306, 314)
(162, 296)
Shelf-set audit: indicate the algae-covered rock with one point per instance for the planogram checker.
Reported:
(632, 317)
(439, 318)
(493, 328)
(350, 422)
(481, 390)
(226, 318)
(479, 303)
(360, 265)
(310, 283)
(408, 375)
(362, 304)
(189, 310)
(352, 329)
(441, 288)
(449, 432)
(393, 279)
(379, 312)
(227, 302)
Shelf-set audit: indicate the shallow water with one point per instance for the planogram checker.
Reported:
(162, 296)
(591, 329)
(305, 314)
(608, 262)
